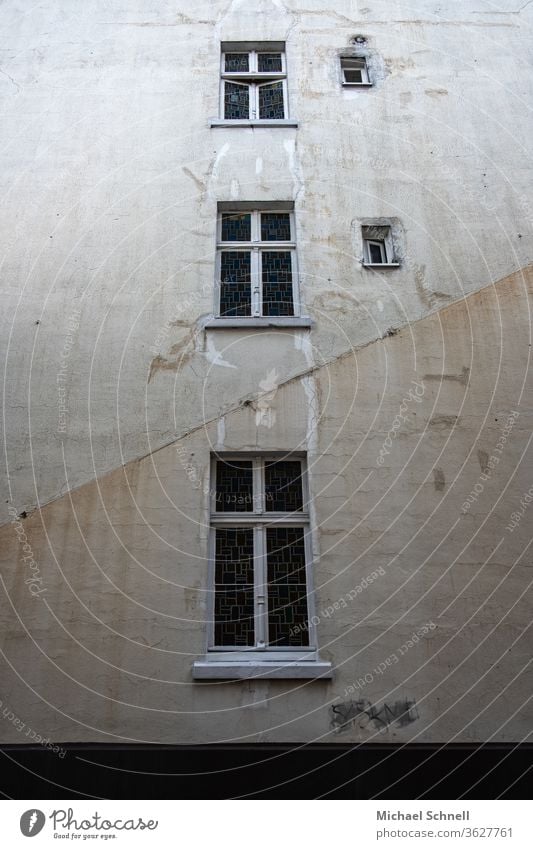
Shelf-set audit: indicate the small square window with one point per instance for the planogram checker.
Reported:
(354, 71)
(377, 253)
(378, 245)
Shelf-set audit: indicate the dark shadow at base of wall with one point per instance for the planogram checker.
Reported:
(78, 771)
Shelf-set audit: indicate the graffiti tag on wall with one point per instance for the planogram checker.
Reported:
(362, 713)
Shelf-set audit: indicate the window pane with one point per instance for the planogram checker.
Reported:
(376, 252)
(235, 289)
(234, 486)
(234, 587)
(277, 283)
(354, 62)
(269, 63)
(353, 76)
(283, 486)
(271, 101)
(237, 63)
(236, 101)
(275, 227)
(287, 587)
(236, 227)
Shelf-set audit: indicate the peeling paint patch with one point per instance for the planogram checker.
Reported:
(215, 357)
(158, 364)
(443, 421)
(198, 183)
(221, 432)
(463, 377)
(179, 354)
(483, 459)
(220, 156)
(439, 480)
(431, 299)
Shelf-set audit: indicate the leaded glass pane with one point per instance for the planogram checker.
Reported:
(271, 101)
(235, 289)
(234, 486)
(275, 227)
(269, 63)
(283, 486)
(237, 63)
(237, 227)
(277, 283)
(234, 587)
(287, 587)
(236, 101)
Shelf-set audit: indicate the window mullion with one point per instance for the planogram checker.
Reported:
(255, 225)
(260, 587)
(257, 307)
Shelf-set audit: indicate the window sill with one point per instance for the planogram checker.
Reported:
(265, 322)
(381, 264)
(209, 669)
(283, 122)
(357, 85)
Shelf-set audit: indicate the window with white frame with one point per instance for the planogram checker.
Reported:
(256, 262)
(253, 82)
(260, 553)
(354, 70)
(377, 245)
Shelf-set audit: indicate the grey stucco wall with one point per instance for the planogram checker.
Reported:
(111, 181)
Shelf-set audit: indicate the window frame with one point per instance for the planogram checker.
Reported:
(365, 75)
(256, 247)
(254, 79)
(386, 244)
(382, 245)
(259, 520)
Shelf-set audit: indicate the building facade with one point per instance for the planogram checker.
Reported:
(267, 398)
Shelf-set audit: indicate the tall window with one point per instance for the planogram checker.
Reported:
(254, 82)
(256, 263)
(260, 552)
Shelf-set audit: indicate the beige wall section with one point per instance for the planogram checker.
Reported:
(105, 651)
(111, 177)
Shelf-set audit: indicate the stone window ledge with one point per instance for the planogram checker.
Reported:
(265, 322)
(282, 122)
(381, 264)
(209, 669)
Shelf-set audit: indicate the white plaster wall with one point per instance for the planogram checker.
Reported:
(111, 177)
